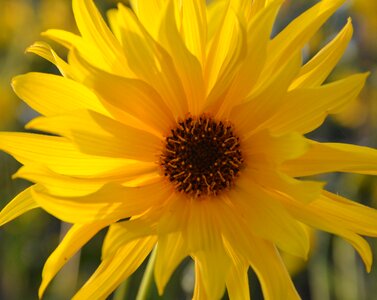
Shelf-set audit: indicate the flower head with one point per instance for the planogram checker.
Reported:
(183, 126)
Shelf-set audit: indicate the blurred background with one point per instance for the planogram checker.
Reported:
(333, 271)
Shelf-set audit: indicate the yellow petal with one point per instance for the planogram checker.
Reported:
(77, 236)
(242, 7)
(171, 251)
(89, 51)
(113, 19)
(62, 156)
(203, 230)
(214, 267)
(263, 258)
(301, 190)
(349, 214)
(256, 5)
(19, 205)
(150, 62)
(194, 27)
(264, 148)
(265, 153)
(265, 98)
(44, 50)
(51, 95)
(298, 33)
(268, 219)
(237, 283)
(271, 272)
(57, 184)
(96, 134)
(133, 96)
(115, 269)
(149, 13)
(95, 31)
(69, 186)
(215, 9)
(315, 72)
(305, 109)
(258, 36)
(187, 65)
(226, 53)
(112, 202)
(332, 157)
(121, 233)
(199, 290)
(175, 214)
(315, 215)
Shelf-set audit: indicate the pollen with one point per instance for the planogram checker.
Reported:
(202, 156)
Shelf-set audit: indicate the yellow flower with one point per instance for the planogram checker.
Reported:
(184, 127)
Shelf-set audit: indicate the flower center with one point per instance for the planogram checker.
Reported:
(202, 156)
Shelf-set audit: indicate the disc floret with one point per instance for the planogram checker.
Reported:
(202, 156)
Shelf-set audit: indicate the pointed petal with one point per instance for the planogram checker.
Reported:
(149, 13)
(268, 219)
(315, 72)
(90, 51)
(237, 283)
(121, 233)
(215, 9)
(305, 109)
(187, 65)
(272, 274)
(199, 290)
(258, 36)
(62, 156)
(214, 268)
(95, 31)
(315, 215)
(69, 186)
(194, 27)
(171, 251)
(265, 99)
(298, 33)
(96, 134)
(225, 56)
(113, 19)
(44, 50)
(262, 256)
(242, 7)
(115, 269)
(51, 95)
(133, 96)
(112, 202)
(301, 190)
(150, 62)
(77, 236)
(348, 214)
(333, 157)
(264, 148)
(19, 205)
(266, 153)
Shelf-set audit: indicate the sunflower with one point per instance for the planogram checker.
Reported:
(182, 129)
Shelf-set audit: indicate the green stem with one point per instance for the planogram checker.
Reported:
(146, 282)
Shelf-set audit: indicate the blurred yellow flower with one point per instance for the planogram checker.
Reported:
(7, 107)
(55, 14)
(184, 127)
(14, 14)
(368, 13)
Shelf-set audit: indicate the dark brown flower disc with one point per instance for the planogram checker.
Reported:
(202, 156)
